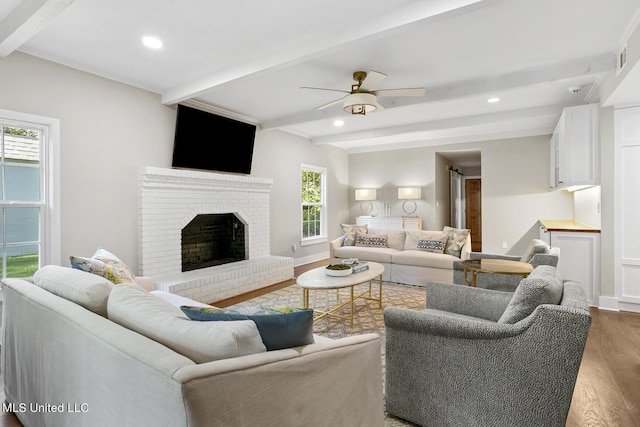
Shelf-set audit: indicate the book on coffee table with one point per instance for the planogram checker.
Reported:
(360, 267)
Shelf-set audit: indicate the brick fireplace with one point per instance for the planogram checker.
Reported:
(172, 200)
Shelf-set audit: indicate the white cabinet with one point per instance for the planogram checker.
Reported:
(402, 223)
(575, 148)
(579, 260)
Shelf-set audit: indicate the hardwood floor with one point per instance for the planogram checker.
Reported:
(607, 392)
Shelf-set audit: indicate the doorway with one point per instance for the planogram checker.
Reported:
(473, 211)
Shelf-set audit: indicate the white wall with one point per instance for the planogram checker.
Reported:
(108, 130)
(279, 155)
(515, 187)
(587, 206)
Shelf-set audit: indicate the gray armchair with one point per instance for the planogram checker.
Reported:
(478, 357)
(537, 253)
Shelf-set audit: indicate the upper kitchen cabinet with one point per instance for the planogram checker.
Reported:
(575, 148)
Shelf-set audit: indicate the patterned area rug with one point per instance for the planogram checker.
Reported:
(367, 319)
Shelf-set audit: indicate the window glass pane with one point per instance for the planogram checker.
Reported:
(22, 260)
(21, 145)
(21, 152)
(22, 183)
(311, 189)
(22, 225)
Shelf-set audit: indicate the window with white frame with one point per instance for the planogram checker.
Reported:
(313, 196)
(29, 221)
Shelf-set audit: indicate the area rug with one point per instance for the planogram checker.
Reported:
(368, 316)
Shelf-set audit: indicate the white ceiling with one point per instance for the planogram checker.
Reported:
(250, 58)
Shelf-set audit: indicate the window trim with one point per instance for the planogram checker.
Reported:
(323, 237)
(49, 180)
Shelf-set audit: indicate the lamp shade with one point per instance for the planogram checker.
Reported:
(365, 194)
(409, 193)
(359, 103)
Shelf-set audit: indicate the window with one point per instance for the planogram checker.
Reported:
(29, 221)
(313, 181)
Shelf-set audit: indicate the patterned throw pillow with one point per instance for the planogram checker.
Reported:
(370, 240)
(435, 246)
(455, 241)
(350, 231)
(105, 264)
(279, 328)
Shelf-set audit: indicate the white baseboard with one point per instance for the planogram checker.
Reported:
(612, 303)
(309, 259)
(629, 306)
(608, 303)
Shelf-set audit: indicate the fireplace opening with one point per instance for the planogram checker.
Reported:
(213, 239)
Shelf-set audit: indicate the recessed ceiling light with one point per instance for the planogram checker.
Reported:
(493, 100)
(152, 42)
(338, 123)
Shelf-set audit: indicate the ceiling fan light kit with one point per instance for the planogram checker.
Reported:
(363, 98)
(360, 103)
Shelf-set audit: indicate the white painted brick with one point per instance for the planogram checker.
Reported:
(170, 198)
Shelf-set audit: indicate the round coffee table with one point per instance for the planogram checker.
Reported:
(317, 279)
(494, 266)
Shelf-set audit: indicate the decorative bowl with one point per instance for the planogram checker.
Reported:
(350, 261)
(338, 270)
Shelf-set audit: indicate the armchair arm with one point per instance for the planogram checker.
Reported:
(477, 302)
(426, 323)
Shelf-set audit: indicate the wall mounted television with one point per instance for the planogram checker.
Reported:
(206, 141)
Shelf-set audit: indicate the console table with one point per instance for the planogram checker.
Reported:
(390, 222)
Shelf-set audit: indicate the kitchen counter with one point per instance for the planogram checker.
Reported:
(567, 225)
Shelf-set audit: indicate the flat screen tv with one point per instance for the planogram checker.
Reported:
(206, 141)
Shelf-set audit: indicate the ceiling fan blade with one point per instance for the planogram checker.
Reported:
(371, 81)
(322, 88)
(328, 104)
(416, 91)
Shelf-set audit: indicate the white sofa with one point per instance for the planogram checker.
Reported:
(64, 363)
(402, 260)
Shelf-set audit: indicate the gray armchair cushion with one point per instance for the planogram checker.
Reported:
(543, 286)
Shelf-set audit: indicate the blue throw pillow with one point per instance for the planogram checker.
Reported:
(278, 327)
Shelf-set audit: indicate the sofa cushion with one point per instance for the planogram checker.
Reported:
(456, 240)
(424, 259)
(105, 264)
(371, 240)
(543, 286)
(536, 246)
(279, 328)
(158, 320)
(85, 289)
(414, 236)
(366, 253)
(395, 238)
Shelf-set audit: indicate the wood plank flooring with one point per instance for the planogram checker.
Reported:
(607, 392)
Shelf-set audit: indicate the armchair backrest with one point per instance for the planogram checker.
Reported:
(543, 286)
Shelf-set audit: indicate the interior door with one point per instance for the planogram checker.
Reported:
(473, 211)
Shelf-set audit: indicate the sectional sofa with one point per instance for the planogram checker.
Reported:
(408, 256)
(79, 350)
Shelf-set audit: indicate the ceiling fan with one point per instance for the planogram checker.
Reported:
(363, 98)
